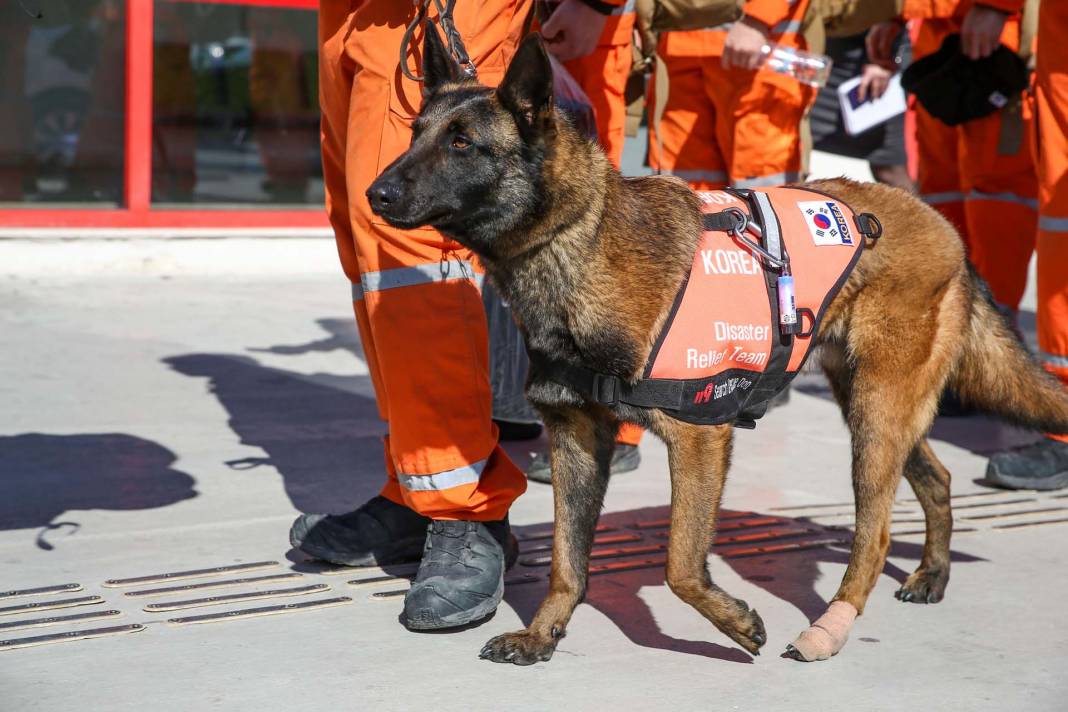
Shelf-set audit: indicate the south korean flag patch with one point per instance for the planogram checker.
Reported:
(825, 222)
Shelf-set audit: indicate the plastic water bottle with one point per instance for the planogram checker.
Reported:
(805, 67)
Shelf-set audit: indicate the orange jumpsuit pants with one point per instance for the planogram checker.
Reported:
(1051, 99)
(603, 74)
(415, 292)
(731, 126)
(981, 183)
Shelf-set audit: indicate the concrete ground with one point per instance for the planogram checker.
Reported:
(169, 406)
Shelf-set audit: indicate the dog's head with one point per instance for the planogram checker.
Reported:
(473, 169)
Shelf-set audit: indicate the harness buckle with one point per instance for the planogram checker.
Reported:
(606, 389)
(869, 225)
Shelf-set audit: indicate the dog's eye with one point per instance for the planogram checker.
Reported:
(461, 142)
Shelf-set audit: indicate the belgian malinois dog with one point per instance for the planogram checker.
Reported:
(591, 262)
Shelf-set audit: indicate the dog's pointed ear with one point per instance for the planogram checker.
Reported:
(527, 88)
(439, 67)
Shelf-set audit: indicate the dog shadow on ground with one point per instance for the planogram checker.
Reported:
(43, 476)
(324, 438)
(325, 442)
(341, 334)
(789, 576)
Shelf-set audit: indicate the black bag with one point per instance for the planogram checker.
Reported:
(955, 89)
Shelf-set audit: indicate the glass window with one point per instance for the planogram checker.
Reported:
(62, 101)
(235, 105)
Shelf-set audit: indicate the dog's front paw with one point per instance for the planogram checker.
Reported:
(748, 632)
(521, 648)
(924, 586)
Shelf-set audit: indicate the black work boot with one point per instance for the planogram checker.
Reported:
(379, 533)
(461, 578)
(625, 458)
(1039, 466)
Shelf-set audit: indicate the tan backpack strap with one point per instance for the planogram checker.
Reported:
(1013, 126)
(1028, 30)
(660, 97)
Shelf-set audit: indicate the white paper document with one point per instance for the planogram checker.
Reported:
(860, 116)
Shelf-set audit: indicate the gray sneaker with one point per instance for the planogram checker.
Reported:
(379, 533)
(461, 577)
(625, 458)
(1039, 466)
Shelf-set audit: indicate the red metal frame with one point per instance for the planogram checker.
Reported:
(138, 211)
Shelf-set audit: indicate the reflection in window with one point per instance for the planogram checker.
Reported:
(236, 117)
(62, 101)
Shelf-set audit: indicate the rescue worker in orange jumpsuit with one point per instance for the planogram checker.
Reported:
(1044, 465)
(601, 70)
(600, 61)
(724, 123)
(975, 174)
(416, 296)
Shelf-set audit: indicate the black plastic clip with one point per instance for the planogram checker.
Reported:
(803, 312)
(744, 424)
(606, 389)
(725, 221)
(868, 225)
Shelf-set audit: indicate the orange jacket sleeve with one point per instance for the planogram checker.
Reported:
(770, 12)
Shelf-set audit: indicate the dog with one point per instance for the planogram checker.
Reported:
(591, 263)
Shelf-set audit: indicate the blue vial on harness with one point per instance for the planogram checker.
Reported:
(787, 306)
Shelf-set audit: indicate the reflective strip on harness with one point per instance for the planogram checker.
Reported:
(772, 239)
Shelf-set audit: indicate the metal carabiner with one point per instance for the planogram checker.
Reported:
(744, 224)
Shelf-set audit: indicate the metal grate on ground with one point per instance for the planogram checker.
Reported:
(619, 547)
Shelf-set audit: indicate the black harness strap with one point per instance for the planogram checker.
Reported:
(723, 221)
(609, 390)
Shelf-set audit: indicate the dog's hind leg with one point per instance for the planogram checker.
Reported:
(581, 445)
(930, 481)
(898, 369)
(699, 457)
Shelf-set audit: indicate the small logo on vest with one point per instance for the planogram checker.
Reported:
(825, 222)
(713, 392)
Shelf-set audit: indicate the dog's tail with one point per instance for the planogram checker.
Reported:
(997, 374)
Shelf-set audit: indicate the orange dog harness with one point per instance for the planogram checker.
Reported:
(744, 321)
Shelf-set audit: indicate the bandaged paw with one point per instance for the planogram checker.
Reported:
(827, 635)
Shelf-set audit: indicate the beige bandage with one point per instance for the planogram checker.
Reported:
(827, 635)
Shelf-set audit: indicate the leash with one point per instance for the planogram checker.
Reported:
(453, 40)
(35, 14)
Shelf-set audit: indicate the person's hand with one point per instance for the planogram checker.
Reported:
(980, 34)
(744, 43)
(880, 43)
(573, 30)
(873, 82)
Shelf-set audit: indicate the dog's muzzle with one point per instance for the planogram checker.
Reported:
(383, 196)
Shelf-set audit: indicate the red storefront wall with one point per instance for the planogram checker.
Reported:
(137, 211)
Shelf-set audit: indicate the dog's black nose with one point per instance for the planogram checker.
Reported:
(383, 194)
